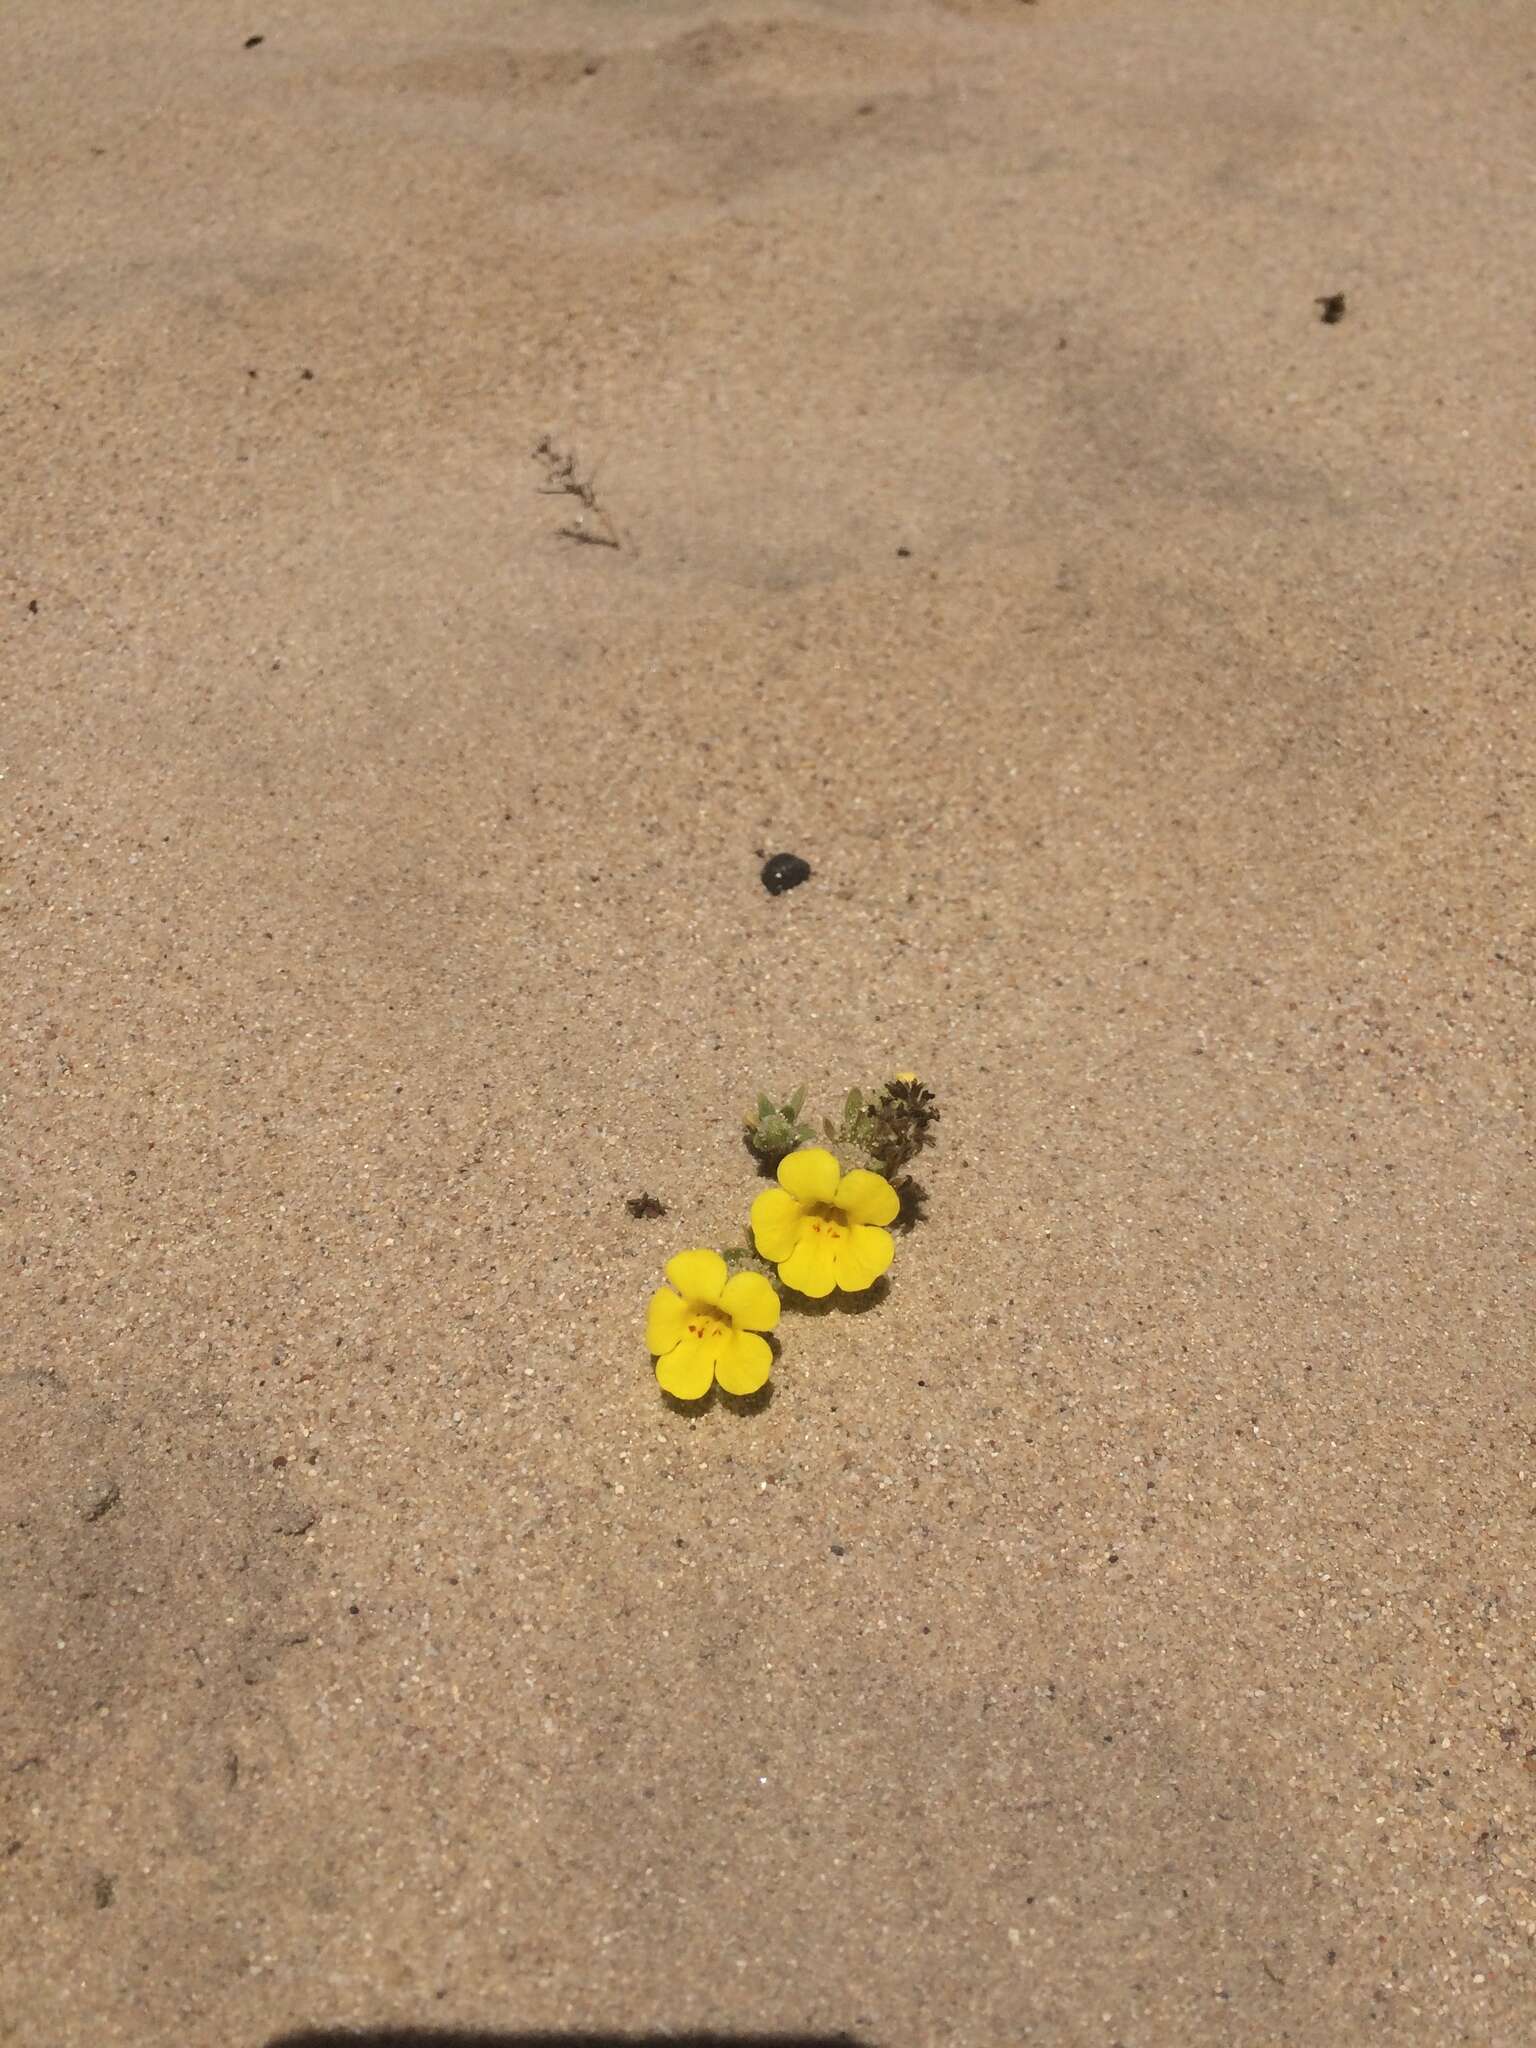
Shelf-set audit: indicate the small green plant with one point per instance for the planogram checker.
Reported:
(774, 1130)
(824, 1228)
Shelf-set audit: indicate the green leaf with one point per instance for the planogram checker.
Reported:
(796, 1103)
(853, 1105)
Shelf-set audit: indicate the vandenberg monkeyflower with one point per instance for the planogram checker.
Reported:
(709, 1329)
(821, 1226)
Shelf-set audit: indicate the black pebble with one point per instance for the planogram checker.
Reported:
(1333, 309)
(785, 871)
(252, 41)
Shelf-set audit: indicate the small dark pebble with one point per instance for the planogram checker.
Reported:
(104, 1890)
(13, 1846)
(251, 42)
(641, 1206)
(1333, 308)
(785, 871)
(354, 1608)
(839, 1550)
(306, 376)
(904, 553)
(32, 606)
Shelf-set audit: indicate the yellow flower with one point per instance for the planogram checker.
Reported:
(821, 1226)
(709, 1329)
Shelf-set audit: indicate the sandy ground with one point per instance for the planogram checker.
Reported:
(1123, 1634)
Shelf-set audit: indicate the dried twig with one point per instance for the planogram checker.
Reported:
(563, 480)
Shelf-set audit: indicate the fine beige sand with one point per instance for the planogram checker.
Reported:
(1120, 1634)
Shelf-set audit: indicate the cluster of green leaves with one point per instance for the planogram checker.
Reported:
(884, 1129)
(774, 1129)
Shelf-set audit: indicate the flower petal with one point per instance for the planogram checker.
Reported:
(687, 1371)
(743, 1365)
(751, 1301)
(776, 1220)
(699, 1276)
(862, 1257)
(809, 1266)
(867, 1197)
(664, 1320)
(810, 1175)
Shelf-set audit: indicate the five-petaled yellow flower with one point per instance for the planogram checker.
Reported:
(821, 1226)
(709, 1330)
